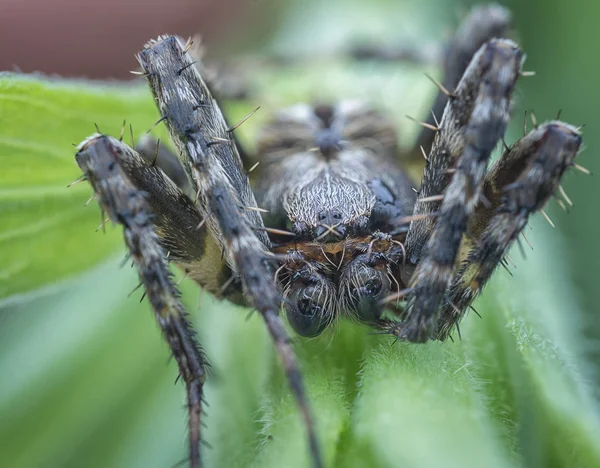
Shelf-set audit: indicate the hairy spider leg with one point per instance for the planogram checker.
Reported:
(473, 122)
(102, 159)
(207, 152)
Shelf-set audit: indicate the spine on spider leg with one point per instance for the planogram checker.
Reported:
(473, 122)
(198, 129)
(98, 157)
(522, 181)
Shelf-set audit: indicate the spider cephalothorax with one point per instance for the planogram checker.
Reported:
(342, 231)
(330, 179)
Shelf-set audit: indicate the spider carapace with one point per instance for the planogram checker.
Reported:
(331, 225)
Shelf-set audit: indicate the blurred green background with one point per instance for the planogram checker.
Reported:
(84, 376)
(558, 38)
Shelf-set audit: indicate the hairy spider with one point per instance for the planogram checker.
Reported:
(343, 232)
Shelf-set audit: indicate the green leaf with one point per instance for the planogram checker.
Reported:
(46, 231)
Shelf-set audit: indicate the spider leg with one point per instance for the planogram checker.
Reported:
(473, 122)
(399, 53)
(483, 23)
(210, 157)
(519, 184)
(103, 160)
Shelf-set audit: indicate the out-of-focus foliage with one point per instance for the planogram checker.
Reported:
(84, 379)
(559, 39)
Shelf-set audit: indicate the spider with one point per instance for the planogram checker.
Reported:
(330, 225)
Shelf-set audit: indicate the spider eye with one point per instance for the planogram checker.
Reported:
(368, 287)
(307, 310)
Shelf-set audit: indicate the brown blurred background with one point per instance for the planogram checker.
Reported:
(95, 39)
